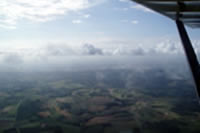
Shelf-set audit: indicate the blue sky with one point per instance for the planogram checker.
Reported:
(109, 18)
(41, 31)
(119, 24)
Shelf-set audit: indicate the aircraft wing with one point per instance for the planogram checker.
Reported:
(187, 11)
(184, 12)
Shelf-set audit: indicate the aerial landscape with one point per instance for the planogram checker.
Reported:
(94, 66)
(103, 101)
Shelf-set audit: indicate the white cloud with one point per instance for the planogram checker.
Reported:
(90, 49)
(6, 26)
(142, 8)
(76, 21)
(11, 11)
(124, 0)
(168, 47)
(138, 51)
(134, 21)
(129, 21)
(58, 50)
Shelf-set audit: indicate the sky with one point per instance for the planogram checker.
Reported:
(40, 29)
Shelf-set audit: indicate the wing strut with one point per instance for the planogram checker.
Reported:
(190, 54)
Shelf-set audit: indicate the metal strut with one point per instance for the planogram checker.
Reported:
(190, 54)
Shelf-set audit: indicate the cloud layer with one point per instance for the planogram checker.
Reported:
(11, 11)
(57, 50)
(60, 56)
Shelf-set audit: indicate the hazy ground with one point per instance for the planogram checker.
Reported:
(117, 100)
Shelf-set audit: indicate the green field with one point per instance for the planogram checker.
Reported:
(81, 103)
